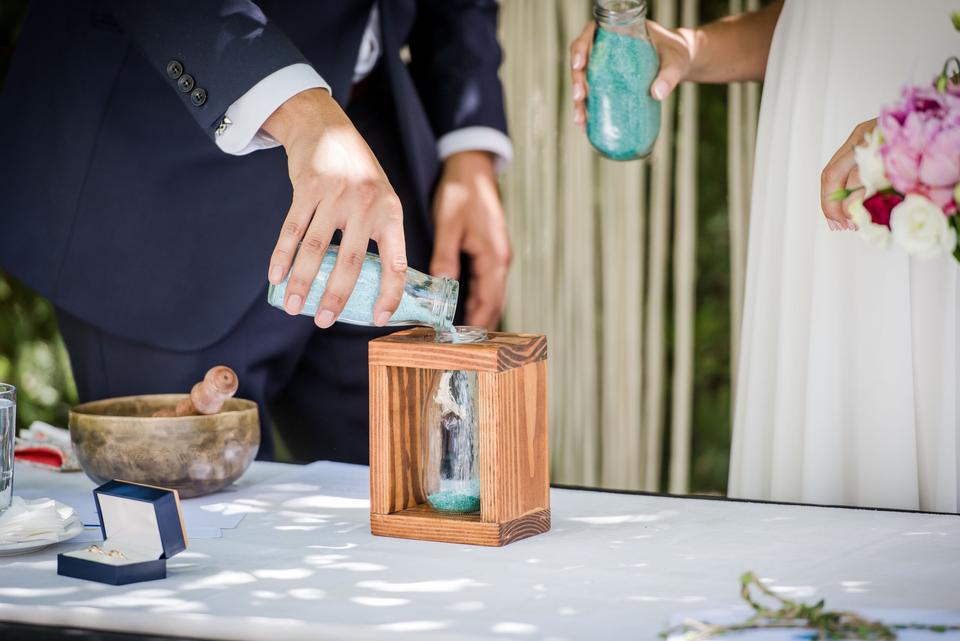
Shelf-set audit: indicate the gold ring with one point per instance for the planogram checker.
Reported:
(113, 554)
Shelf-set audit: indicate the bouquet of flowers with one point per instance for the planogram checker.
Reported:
(910, 171)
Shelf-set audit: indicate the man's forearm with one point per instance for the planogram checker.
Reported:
(733, 49)
(470, 164)
(306, 108)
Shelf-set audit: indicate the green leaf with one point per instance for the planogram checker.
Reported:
(843, 194)
(840, 194)
(955, 222)
(955, 18)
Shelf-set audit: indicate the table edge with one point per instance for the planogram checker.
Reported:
(728, 499)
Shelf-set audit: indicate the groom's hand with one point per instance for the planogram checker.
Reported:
(469, 219)
(337, 184)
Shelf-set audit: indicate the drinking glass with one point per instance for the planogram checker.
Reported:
(8, 428)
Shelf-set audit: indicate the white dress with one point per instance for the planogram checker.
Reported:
(849, 376)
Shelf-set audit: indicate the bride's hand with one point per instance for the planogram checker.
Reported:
(675, 49)
(842, 173)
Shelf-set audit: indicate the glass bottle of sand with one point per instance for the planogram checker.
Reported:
(623, 119)
(426, 300)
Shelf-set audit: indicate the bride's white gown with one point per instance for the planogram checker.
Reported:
(850, 367)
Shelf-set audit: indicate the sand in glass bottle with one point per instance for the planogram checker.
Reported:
(623, 119)
(451, 463)
(426, 300)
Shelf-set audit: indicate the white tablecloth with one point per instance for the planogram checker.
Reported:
(303, 565)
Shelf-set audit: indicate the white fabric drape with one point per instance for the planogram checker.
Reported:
(598, 246)
(847, 390)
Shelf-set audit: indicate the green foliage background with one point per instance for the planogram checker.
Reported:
(33, 358)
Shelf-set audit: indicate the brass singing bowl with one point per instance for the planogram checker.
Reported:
(117, 438)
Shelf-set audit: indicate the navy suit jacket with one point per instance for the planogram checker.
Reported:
(115, 201)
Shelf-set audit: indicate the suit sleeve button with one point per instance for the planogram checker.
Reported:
(198, 96)
(185, 83)
(174, 69)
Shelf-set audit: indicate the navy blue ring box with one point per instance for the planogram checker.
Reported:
(143, 522)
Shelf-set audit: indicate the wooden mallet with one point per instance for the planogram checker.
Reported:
(207, 396)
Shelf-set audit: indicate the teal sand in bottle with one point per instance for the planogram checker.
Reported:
(425, 301)
(463, 499)
(623, 119)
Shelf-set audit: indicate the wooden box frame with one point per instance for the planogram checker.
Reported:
(512, 425)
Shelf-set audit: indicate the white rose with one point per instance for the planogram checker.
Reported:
(921, 228)
(870, 163)
(876, 235)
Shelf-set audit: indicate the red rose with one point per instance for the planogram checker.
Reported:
(880, 205)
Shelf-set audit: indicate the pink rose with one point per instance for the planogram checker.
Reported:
(940, 164)
(903, 166)
(921, 149)
(939, 169)
(943, 197)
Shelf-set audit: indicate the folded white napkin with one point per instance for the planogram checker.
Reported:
(37, 521)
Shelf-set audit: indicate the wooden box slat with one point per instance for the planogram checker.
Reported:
(427, 525)
(514, 460)
(417, 348)
(395, 436)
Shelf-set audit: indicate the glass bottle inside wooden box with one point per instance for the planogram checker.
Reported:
(451, 462)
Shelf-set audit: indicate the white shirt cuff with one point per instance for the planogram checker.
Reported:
(477, 139)
(239, 132)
